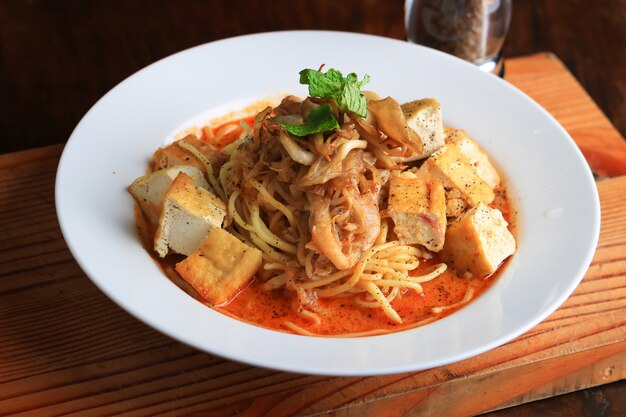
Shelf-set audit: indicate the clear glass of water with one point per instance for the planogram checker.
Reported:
(473, 30)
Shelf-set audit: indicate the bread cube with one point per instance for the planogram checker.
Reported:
(175, 155)
(424, 118)
(189, 213)
(418, 209)
(478, 242)
(450, 167)
(474, 154)
(221, 267)
(150, 189)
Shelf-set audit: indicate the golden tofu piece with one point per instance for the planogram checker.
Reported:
(221, 267)
(450, 134)
(424, 118)
(149, 190)
(474, 154)
(455, 204)
(189, 213)
(449, 166)
(478, 242)
(418, 209)
(175, 155)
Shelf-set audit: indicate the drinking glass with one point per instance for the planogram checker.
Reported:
(473, 30)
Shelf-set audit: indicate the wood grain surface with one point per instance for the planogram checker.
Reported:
(65, 349)
(544, 78)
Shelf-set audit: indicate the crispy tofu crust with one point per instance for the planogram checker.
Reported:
(221, 267)
(474, 154)
(175, 155)
(149, 190)
(424, 118)
(449, 166)
(189, 213)
(418, 209)
(478, 242)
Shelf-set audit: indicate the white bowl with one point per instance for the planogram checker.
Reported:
(558, 219)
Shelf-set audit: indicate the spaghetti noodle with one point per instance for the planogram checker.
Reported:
(261, 181)
(316, 201)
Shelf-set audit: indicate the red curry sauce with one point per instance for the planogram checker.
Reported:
(338, 316)
(341, 315)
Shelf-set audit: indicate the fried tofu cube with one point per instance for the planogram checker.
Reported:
(175, 155)
(189, 214)
(451, 134)
(449, 166)
(474, 154)
(455, 204)
(424, 118)
(150, 189)
(221, 267)
(418, 210)
(478, 242)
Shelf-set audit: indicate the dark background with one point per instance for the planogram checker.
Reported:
(58, 57)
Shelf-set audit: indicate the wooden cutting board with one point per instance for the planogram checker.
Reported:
(65, 348)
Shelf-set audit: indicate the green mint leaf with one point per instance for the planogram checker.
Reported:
(322, 84)
(319, 120)
(354, 100)
(366, 79)
(352, 78)
(345, 91)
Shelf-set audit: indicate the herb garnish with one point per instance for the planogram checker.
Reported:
(345, 91)
(320, 119)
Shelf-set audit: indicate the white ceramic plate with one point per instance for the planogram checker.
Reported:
(110, 147)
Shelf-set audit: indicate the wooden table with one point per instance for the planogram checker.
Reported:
(66, 348)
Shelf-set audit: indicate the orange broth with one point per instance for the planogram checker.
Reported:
(339, 316)
(227, 132)
(342, 316)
